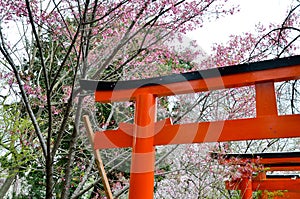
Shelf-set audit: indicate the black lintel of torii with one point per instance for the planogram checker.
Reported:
(94, 85)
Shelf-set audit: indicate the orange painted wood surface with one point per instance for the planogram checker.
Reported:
(291, 185)
(266, 127)
(275, 167)
(246, 188)
(143, 151)
(265, 99)
(214, 83)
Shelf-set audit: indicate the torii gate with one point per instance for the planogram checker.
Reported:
(146, 132)
(287, 184)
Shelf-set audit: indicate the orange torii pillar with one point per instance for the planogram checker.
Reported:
(146, 133)
(143, 152)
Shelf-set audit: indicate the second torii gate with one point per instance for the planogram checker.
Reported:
(286, 185)
(146, 132)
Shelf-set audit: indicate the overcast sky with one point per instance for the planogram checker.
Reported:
(251, 13)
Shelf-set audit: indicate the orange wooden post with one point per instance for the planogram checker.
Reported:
(262, 176)
(265, 99)
(265, 105)
(246, 188)
(143, 153)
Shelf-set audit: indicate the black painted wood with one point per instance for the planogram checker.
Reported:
(284, 176)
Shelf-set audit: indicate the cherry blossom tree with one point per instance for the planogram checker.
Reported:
(46, 46)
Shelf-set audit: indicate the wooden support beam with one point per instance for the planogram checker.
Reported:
(291, 185)
(282, 167)
(267, 127)
(267, 186)
(123, 136)
(277, 184)
(282, 161)
(230, 130)
(287, 162)
(97, 155)
(198, 85)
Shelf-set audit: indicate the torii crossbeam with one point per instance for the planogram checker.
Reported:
(146, 132)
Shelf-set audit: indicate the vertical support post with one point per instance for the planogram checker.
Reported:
(98, 158)
(246, 188)
(265, 99)
(265, 105)
(262, 176)
(143, 152)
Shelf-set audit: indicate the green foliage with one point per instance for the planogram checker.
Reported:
(18, 146)
(20, 149)
(272, 194)
(162, 169)
(172, 65)
(36, 182)
(16, 136)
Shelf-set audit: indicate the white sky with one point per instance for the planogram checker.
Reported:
(251, 13)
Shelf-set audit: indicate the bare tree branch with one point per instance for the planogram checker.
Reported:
(24, 96)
